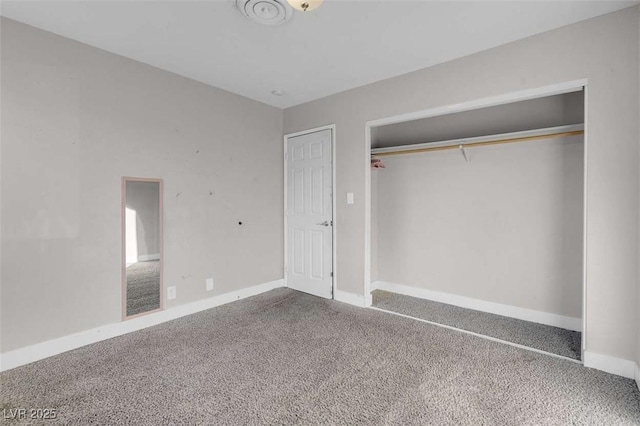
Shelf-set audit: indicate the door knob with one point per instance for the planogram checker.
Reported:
(326, 223)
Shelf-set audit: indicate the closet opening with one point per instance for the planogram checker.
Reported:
(476, 218)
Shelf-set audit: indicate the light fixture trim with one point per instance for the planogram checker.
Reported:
(305, 5)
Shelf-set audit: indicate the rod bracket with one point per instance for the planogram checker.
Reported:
(464, 152)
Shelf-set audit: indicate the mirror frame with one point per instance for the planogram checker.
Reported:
(123, 207)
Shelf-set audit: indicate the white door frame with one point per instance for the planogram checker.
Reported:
(332, 127)
(523, 95)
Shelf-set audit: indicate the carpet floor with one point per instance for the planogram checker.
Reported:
(285, 357)
(143, 287)
(539, 336)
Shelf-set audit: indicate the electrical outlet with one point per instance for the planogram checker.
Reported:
(171, 292)
(209, 284)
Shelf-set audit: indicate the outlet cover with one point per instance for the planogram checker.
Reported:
(171, 292)
(209, 284)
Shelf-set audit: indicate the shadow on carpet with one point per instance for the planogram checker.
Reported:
(538, 336)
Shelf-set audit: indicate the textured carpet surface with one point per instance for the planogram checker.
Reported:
(143, 287)
(285, 357)
(539, 336)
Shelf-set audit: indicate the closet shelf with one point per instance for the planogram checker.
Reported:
(522, 136)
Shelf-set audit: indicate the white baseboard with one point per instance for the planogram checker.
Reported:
(352, 299)
(638, 374)
(568, 323)
(148, 257)
(610, 364)
(28, 354)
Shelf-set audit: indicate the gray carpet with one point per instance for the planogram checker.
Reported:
(143, 287)
(289, 358)
(544, 337)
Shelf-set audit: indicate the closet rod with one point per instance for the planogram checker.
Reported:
(483, 143)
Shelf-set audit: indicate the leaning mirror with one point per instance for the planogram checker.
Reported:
(142, 246)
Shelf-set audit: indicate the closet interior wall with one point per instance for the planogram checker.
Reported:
(504, 227)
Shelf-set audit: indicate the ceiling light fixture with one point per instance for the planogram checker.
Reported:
(305, 5)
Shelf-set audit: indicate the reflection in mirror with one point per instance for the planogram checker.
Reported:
(142, 234)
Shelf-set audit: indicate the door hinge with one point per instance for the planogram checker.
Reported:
(331, 274)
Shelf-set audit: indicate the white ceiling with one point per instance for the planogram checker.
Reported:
(341, 45)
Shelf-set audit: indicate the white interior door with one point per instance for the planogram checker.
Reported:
(310, 214)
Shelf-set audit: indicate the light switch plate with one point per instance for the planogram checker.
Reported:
(349, 197)
(209, 284)
(171, 292)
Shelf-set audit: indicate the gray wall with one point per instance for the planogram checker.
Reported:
(505, 227)
(76, 119)
(375, 208)
(144, 198)
(604, 50)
